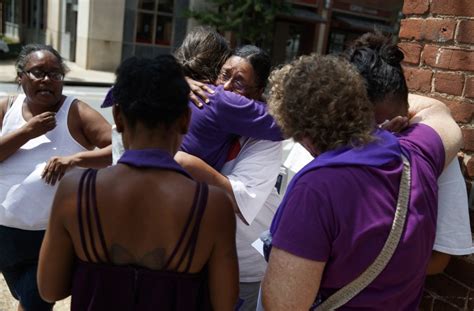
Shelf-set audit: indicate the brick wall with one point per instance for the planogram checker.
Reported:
(437, 37)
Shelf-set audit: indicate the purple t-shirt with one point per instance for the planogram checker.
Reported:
(228, 116)
(343, 215)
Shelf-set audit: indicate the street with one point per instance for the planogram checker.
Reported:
(88, 94)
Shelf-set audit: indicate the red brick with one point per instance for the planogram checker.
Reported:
(468, 137)
(447, 289)
(415, 7)
(469, 92)
(431, 29)
(456, 59)
(438, 29)
(410, 28)
(465, 32)
(449, 83)
(411, 51)
(452, 7)
(430, 52)
(462, 112)
(418, 79)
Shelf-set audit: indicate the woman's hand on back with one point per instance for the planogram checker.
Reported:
(395, 125)
(198, 92)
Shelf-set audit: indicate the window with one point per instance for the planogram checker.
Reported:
(154, 22)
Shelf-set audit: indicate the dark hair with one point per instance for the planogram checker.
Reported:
(202, 54)
(26, 50)
(378, 61)
(260, 61)
(152, 91)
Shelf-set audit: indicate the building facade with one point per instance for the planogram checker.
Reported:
(99, 34)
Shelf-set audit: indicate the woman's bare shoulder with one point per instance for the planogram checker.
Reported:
(220, 206)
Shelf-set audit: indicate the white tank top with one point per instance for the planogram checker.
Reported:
(25, 199)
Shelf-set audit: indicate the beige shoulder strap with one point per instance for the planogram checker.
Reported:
(349, 291)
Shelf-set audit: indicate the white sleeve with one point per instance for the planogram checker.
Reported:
(117, 145)
(253, 175)
(453, 231)
(295, 159)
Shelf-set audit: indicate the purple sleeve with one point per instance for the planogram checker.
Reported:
(422, 139)
(244, 117)
(307, 224)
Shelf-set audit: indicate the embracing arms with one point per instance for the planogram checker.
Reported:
(437, 115)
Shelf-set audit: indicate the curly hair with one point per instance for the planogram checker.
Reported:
(323, 99)
(202, 54)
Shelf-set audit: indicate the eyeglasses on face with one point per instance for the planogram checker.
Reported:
(238, 85)
(36, 74)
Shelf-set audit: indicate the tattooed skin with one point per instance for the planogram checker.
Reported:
(154, 259)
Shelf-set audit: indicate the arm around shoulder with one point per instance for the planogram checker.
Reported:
(223, 265)
(437, 115)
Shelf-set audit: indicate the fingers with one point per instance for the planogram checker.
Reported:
(201, 94)
(195, 100)
(198, 92)
(395, 125)
(54, 171)
(50, 123)
(46, 174)
(47, 114)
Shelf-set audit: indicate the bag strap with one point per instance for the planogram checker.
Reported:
(345, 294)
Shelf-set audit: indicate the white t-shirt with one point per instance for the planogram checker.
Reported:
(453, 231)
(25, 198)
(252, 175)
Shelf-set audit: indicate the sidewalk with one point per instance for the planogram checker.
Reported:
(77, 75)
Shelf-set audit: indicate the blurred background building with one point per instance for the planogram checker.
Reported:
(99, 34)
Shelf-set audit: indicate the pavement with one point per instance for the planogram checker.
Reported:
(76, 76)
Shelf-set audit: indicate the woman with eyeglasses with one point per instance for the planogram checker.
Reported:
(228, 115)
(250, 171)
(43, 134)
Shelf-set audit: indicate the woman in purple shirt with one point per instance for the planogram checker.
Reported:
(229, 115)
(338, 211)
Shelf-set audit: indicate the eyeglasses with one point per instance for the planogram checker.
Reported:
(36, 74)
(238, 85)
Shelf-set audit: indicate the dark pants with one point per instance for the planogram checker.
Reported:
(19, 253)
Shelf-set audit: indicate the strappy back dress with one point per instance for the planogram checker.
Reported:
(98, 284)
